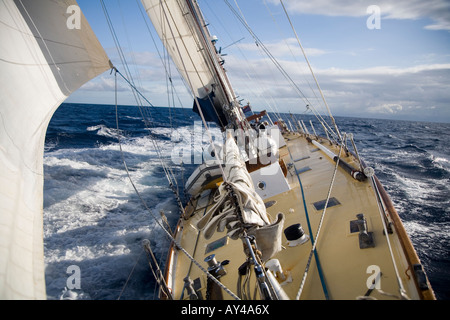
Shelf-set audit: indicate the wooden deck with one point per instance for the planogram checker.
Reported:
(346, 270)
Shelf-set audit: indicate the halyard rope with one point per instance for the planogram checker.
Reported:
(299, 293)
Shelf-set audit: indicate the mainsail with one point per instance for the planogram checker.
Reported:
(182, 29)
(47, 51)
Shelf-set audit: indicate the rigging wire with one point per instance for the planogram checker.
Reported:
(261, 45)
(129, 276)
(312, 72)
(168, 233)
(144, 203)
(193, 91)
(290, 49)
(268, 53)
(270, 104)
(165, 15)
(385, 229)
(316, 256)
(164, 60)
(172, 92)
(138, 95)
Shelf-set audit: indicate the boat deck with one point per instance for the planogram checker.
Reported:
(346, 270)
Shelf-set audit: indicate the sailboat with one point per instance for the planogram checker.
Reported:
(276, 212)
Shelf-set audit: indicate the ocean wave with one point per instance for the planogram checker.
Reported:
(94, 219)
(441, 162)
(411, 148)
(432, 239)
(104, 131)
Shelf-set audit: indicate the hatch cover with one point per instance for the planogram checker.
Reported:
(320, 205)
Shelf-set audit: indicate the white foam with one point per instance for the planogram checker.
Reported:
(425, 236)
(441, 162)
(92, 214)
(105, 131)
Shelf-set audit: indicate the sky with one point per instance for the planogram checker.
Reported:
(372, 59)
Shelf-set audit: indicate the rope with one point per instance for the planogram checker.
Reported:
(299, 293)
(316, 256)
(399, 281)
(129, 276)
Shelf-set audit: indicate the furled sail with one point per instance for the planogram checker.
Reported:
(47, 51)
(182, 30)
(251, 216)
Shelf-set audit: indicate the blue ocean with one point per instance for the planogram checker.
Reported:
(95, 221)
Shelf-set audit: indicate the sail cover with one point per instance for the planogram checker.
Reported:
(252, 218)
(180, 27)
(47, 51)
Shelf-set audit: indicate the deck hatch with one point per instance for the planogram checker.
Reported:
(320, 205)
(302, 158)
(353, 226)
(268, 204)
(216, 244)
(302, 170)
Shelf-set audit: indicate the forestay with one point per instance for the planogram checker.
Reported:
(47, 51)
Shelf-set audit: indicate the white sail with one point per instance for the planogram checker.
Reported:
(47, 51)
(182, 30)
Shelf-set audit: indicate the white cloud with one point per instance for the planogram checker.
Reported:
(437, 10)
(392, 108)
(102, 83)
(420, 91)
(282, 48)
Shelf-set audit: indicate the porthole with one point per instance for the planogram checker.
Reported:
(261, 185)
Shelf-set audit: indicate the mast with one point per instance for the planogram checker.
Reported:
(211, 50)
(232, 107)
(183, 31)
